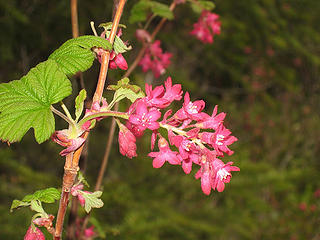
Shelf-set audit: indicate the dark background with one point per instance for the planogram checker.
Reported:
(263, 71)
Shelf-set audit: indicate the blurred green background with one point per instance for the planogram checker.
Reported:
(263, 71)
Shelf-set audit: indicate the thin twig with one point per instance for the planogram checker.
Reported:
(74, 18)
(127, 74)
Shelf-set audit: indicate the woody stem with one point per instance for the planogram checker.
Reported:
(72, 159)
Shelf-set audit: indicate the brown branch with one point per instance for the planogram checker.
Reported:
(72, 160)
(71, 225)
(74, 18)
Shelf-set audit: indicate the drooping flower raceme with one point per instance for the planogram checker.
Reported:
(155, 59)
(207, 26)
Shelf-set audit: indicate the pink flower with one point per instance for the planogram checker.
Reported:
(144, 118)
(142, 35)
(172, 92)
(191, 110)
(135, 129)
(188, 151)
(127, 142)
(316, 194)
(212, 122)
(154, 97)
(221, 139)
(206, 27)
(89, 232)
(303, 206)
(117, 61)
(205, 173)
(164, 154)
(222, 173)
(213, 172)
(202, 32)
(34, 234)
(61, 137)
(155, 59)
(161, 98)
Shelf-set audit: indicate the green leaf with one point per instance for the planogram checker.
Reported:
(199, 6)
(139, 12)
(119, 46)
(17, 203)
(36, 206)
(48, 195)
(92, 200)
(75, 54)
(125, 90)
(25, 103)
(79, 103)
(161, 10)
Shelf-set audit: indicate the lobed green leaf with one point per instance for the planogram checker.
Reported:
(125, 90)
(48, 195)
(75, 55)
(25, 103)
(34, 200)
(161, 10)
(17, 204)
(92, 200)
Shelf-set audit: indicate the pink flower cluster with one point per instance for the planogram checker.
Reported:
(206, 27)
(155, 59)
(194, 136)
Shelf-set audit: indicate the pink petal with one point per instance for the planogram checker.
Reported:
(206, 183)
(158, 162)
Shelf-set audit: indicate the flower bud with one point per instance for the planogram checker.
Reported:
(34, 234)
